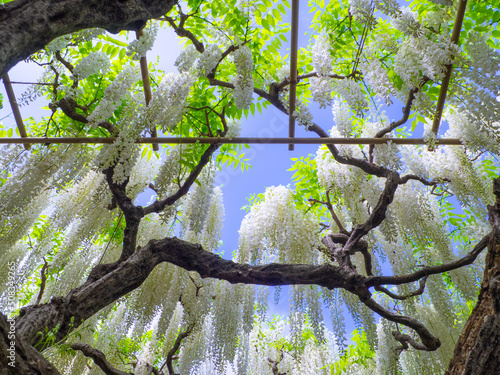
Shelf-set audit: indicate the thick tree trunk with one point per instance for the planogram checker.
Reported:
(478, 348)
(28, 25)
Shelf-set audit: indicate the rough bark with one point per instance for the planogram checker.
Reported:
(86, 300)
(478, 348)
(17, 356)
(484, 358)
(26, 26)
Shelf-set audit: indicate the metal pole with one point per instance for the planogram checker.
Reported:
(455, 35)
(15, 108)
(146, 84)
(293, 70)
(239, 140)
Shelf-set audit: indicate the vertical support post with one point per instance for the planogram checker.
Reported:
(15, 108)
(455, 35)
(293, 70)
(147, 86)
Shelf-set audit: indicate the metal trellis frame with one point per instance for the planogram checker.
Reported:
(236, 140)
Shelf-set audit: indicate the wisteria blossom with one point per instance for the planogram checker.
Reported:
(114, 94)
(94, 63)
(243, 82)
(169, 100)
(187, 58)
(209, 59)
(342, 118)
(138, 47)
(322, 61)
(351, 92)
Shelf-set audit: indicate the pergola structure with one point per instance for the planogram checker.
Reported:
(291, 140)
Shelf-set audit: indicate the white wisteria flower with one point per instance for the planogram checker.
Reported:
(341, 116)
(407, 22)
(169, 100)
(321, 89)
(243, 82)
(377, 78)
(94, 63)
(351, 92)
(114, 94)
(139, 47)
(209, 59)
(321, 58)
(187, 58)
(361, 10)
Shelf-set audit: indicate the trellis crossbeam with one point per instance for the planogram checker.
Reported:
(238, 140)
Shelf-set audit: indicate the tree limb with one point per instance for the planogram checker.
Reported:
(159, 205)
(27, 26)
(170, 356)
(402, 297)
(17, 356)
(433, 270)
(378, 214)
(43, 278)
(182, 32)
(95, 294)
(406, 114)
(429, 341)
(99, 359)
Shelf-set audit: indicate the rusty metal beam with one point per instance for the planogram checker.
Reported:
(293, 70)
(15, 108)
(455, 35)
(147, 85)
(239, 140)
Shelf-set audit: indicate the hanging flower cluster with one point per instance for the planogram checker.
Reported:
(123, 153)
(139, 47)
(351, 92)
(471, 132)
(186, 59)
(275, 230)
(301, 112)
(197, 205)
(303, 115)
(212, 228)
(283, 72)
(117, 91)
(479, 74)
(406, 22)
(321, 87)
(361, 10)
(243, 82)
(209, 59)
(233, 128)
(94, 63)
(377, 78)
(321, 58)
(421, 55)
(341, 117)
(169, 101)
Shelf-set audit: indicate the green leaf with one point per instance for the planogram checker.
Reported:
(265, 24)
(115, 41)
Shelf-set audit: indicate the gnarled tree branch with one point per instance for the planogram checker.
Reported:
(99, 359)
(432, 270)
(158, 206)
(17, 356)
(27, 26)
